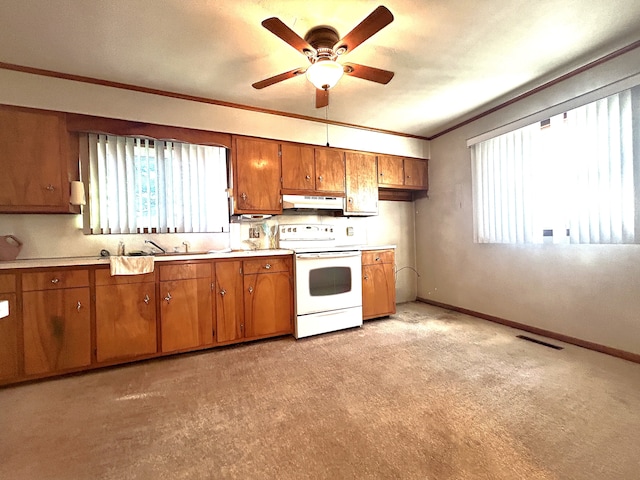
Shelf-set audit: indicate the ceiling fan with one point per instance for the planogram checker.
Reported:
(322, 46)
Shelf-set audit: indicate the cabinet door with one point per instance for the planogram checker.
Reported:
(33, 154)
(9, 339)
(362, 183)
(57, 330)
(390, 170)
(257, 176)
(378, 290)
(298, 170)
(329, 170)
(267, 304)
(229, 305)
(125, 320)
(415, 173)
(186, 314)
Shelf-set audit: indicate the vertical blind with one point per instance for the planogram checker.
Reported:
(572, 179)
(144, 186)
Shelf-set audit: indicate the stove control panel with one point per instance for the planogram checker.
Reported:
(305, 232)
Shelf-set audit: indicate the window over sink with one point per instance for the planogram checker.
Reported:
(139, 185)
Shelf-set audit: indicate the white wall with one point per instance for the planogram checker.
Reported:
(47, 236)
(589, 292)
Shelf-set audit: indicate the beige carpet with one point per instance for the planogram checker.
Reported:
(426, 394)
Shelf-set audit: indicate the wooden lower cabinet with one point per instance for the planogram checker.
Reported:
(268, 297)
(186, 311)
(378, 283)
(229, 302)
(9, 351)
(125, 316)
(57, 330)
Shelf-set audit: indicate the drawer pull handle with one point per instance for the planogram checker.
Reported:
(168, 297)
(146, 299)
(223, 292)
(377, 259)
(267, 266)
(55, 281)
(79, 305)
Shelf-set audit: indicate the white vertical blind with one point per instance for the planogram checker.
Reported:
(572, 181)
(143, 186)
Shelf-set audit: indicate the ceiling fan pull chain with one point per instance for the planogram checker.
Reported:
(326, 121)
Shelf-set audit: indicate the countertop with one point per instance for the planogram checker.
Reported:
(96, 260)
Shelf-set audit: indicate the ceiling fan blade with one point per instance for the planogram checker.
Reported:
(376, 21)
(279, 29)
(278, 78)
(322, 98)
(368, 73)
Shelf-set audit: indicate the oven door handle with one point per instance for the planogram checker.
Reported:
(328, 255)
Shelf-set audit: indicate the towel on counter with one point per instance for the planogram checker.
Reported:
(131, 265)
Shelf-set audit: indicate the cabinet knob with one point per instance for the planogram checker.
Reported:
(250, 289)
(50, 188)
(79, 305)
(223, 292)
(408, 176)
(350, 200)
(146, 299)
(381, 174)
(267, 266)
(307, 177)
(243, 196)
(320, 178)
(366, 277)
(377, 259)
(55, 281)
(168, 297)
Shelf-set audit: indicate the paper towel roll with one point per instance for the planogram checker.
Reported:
(77, 194)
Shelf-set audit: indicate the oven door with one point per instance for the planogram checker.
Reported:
(327, 281)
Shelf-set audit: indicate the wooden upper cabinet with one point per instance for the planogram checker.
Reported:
(390, 171)
(415, 173)
(298, 167)
(330, 170)
(256, 174)
(38, 158)
(402, 173)
(362, 185)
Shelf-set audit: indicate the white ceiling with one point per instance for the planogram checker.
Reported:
(451, 58)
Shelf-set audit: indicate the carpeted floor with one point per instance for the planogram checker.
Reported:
(425, 394)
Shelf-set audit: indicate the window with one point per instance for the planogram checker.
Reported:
(573, 178)
(153, 186)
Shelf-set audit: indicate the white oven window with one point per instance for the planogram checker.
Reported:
(329, 281)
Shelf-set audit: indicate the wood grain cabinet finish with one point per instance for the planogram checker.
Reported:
(268, 305)
(378, 283)
(229, 301)
(402, 173)
(307, 170)
(362, 185)
(256, 167)
(125, 316)
(39, 158)
(330, 171)
(56, 330)
(186, 310)
(9, 340)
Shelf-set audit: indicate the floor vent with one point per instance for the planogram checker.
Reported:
(539, 342)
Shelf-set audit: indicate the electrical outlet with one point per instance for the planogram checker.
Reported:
(254, 232)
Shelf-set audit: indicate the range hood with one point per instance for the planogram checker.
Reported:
(312, 202)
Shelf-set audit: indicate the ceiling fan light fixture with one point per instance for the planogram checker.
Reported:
(324, 74)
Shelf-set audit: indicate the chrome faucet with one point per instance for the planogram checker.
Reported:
(156, 245)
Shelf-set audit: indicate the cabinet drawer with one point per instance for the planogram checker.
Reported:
(55, 279)
(267, 265)
(103, 277)
(7, 283)
(185, 271)
(372, 257)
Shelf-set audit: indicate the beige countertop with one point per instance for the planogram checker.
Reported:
(96, 260)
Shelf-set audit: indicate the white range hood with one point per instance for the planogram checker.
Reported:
(312, 202)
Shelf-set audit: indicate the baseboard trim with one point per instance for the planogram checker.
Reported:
(632, 357)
